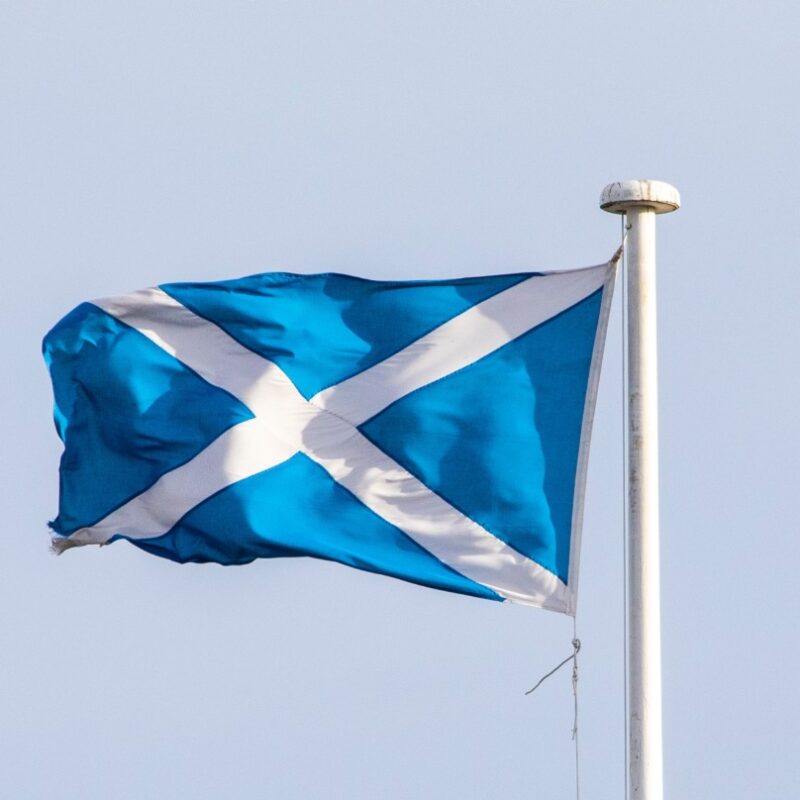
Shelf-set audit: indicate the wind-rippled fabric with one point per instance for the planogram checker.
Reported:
(435, 431)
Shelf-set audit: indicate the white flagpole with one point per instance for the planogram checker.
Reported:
(640, 201)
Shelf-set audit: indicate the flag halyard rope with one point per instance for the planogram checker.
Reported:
(576, 645)
(573, 657)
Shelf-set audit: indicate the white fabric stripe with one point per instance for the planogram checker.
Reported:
(395, 495)
(205, 348)
(244, 450)
(461, 341)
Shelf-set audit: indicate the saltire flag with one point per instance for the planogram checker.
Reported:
(436, 431)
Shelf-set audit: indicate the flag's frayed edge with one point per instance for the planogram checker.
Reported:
(60, 543)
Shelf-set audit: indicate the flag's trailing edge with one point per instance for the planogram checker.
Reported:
(436, 431)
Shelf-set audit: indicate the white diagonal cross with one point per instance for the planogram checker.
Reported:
(325, 427)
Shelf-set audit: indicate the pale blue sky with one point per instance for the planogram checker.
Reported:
(158, 141)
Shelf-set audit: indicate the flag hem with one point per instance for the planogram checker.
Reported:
(585, 439)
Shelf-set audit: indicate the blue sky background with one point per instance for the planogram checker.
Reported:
(150, 142)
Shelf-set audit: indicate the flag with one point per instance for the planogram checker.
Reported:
(435, 431)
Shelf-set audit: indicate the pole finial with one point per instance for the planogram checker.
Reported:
(618, 197)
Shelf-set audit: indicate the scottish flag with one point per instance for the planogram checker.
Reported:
(435, 431)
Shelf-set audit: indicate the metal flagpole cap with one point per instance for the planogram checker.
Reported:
(622, 195)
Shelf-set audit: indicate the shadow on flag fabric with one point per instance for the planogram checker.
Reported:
(435, 431)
